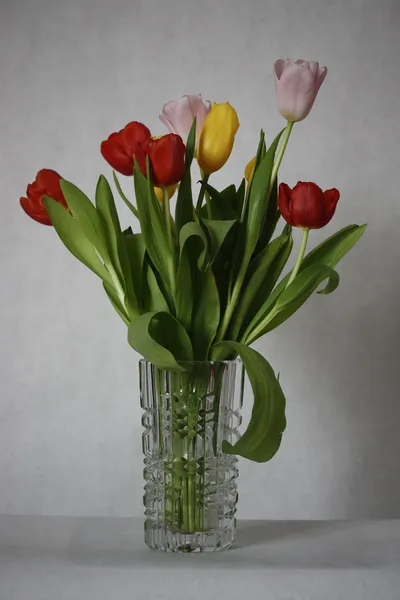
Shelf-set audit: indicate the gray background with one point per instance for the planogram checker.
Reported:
(74, 71)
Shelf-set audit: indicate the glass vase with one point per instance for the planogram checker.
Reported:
(190, 491)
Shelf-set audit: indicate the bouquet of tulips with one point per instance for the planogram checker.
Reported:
(203, 282)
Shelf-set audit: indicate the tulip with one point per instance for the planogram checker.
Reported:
(47, 183)
(159, 192)
(249, 170)
(166, 159)
(306, 205)
(178, 115)
(297, 85)
(120, 148)
(217, 137)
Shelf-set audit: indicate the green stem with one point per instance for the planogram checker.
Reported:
(231, 305)
(300, 257)
(258, 330)
(124, 198)
(202, 191)
(280, 154)
(168, 227)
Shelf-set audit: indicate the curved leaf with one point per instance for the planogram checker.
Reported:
(206, 313)
(160, 339)
(194, 229)
(135, 250)
(152, 297)
(71, 234)
(219, 207)
(192, 258)
(263, 435)
(116, 302)
(258, 199)
(262, 275)
(87, 216)
(328, 253)
(296, 294)
(218, 230)
(152, 225)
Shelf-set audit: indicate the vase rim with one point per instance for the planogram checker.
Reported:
(236, 360)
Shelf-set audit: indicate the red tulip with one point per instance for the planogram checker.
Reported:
(47, 183)
(166, 157)
(120, 148)
(306, 205)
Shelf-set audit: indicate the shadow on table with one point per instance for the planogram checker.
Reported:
(261, 545)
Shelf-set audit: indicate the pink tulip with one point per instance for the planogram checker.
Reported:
(178, 115)
(297, 85)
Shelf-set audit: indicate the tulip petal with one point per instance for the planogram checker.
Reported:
(331, 198)
(167, 123)
(132, 134)
(32, 211)
(279, 67)
(115, 155)
(307, 204)
(49, 181)
(284, 202)
(179, 115)
(322, 73)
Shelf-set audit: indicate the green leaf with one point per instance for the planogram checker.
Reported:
(206, 313)
(108, 213)
(263, 436)
(152, 297)
(87, 216)
(258, 198)
(160, 339)
(123, 197)
(219, 205)
(120, 263)
(296, 294)
(331, 251)
(135, 251)
(238, 201)
(71, 234)
(184, 204)
(328, 253)
(152, 225)
(184, 295)
(271, 220)
(262, 275)
(194, 230)
(218, 230)
(115, 301)
(193, 257)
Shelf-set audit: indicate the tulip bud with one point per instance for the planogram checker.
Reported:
(178, 115)
(306, 205)
(120, 147)
(166, 156)
(47, 183)
(297, 85)
(159, 192)
(249, 170)
(217, 137)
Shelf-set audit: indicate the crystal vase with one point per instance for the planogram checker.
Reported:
(190, 490)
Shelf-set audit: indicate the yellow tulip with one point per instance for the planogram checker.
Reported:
(217, 137)
(249, 170)
(160, 192)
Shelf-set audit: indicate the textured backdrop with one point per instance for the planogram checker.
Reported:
(71, 73)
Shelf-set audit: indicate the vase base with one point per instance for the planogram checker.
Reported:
(162, 539)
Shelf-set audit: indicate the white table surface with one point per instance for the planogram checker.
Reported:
(68, 558)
